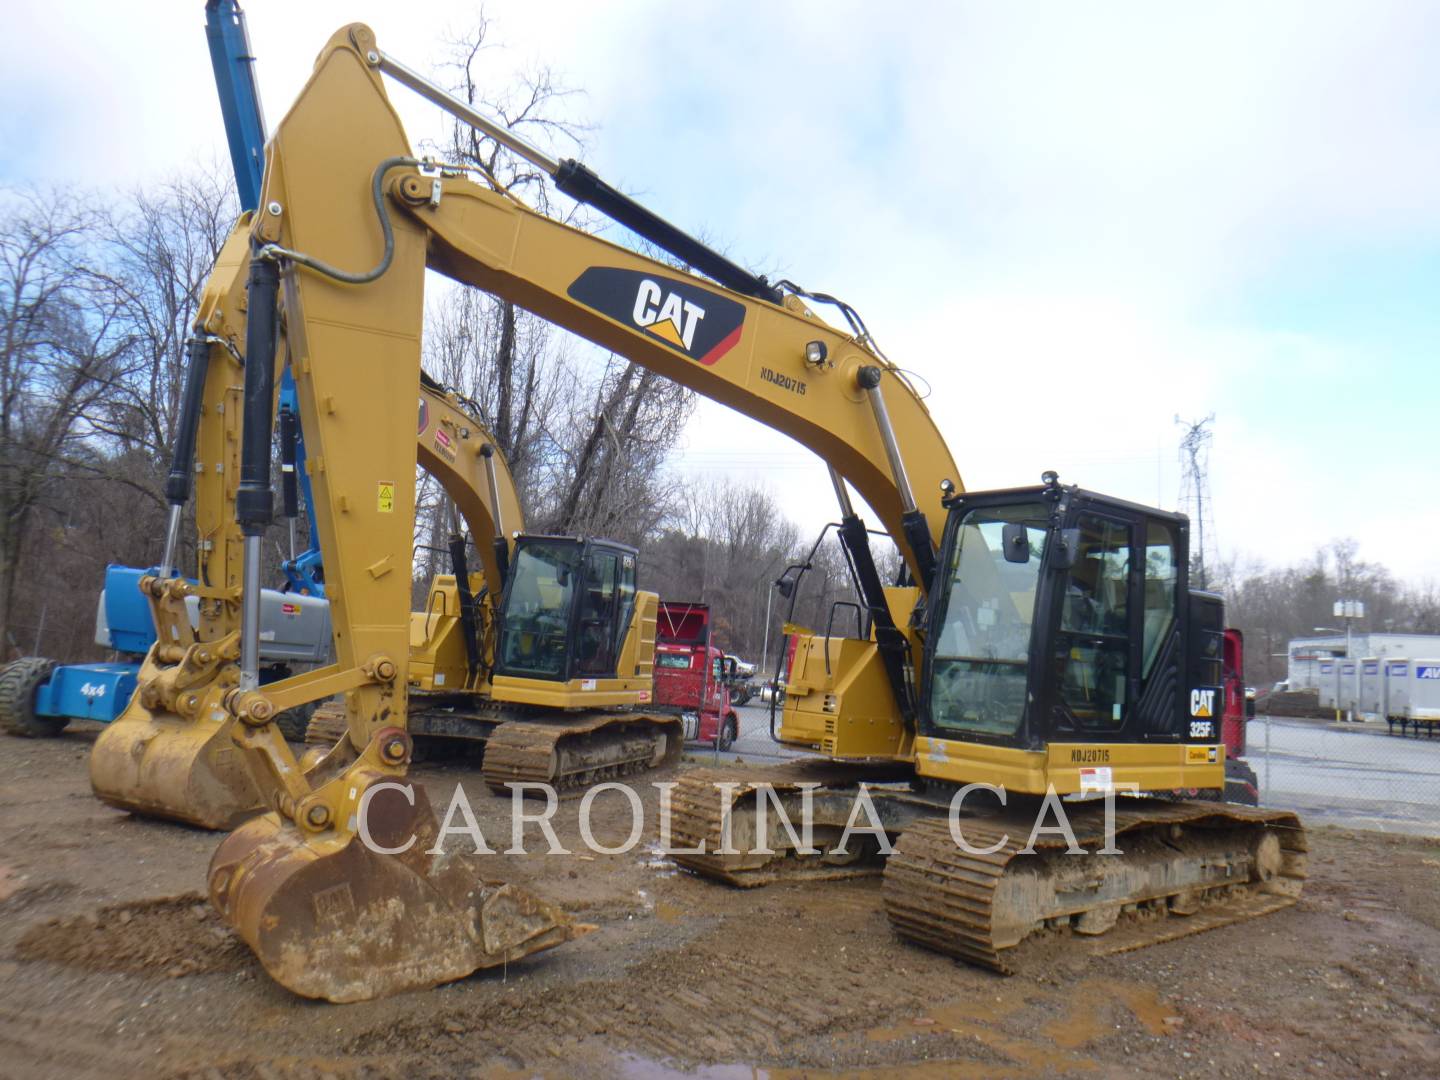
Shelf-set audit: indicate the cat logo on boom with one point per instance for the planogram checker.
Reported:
(667, 315)
(686, 318)
(1202, 702)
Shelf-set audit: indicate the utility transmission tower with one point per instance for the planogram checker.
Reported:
(1195, 488)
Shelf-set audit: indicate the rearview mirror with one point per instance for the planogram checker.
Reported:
(1067, 549)
(1015, 540)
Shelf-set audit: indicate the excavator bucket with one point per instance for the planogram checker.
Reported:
(172, 752)
(161, 764)
(333, 918)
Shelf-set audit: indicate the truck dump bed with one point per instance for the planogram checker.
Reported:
(682, 639)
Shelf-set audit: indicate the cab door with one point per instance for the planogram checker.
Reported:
(1093, 655)
(598, 614)
(604, 608)
(1118, 645)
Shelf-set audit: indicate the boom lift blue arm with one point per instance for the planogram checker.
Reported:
(234, 65)
(38, 697)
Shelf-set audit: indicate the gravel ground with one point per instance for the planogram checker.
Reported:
(113, 965)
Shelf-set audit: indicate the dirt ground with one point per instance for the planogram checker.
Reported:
(111, 964)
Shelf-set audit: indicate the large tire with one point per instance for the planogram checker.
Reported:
(1241, 783)
(18, 683)
(728, 731)
(294, 722)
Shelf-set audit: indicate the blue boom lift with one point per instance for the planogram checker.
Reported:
(39, 697)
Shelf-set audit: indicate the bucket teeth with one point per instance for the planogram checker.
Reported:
(329, 917)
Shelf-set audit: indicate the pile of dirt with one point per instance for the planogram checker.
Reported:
(172, 935)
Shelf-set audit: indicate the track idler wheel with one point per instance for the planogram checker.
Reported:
(329, 917)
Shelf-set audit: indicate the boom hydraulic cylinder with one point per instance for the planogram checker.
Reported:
(254, 499)
(182, 462)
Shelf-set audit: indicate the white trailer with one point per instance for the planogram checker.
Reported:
(1327, 680)
(1414, 695)
(1397, 672)
(1347, 687)
(1370, 701)
(1423, 709)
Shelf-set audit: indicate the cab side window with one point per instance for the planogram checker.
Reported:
(1161, 580)
(624, 605)
(599, 609)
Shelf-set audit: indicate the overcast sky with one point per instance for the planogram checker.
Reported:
(1075, 222)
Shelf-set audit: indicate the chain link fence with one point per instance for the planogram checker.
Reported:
(752, 738)
(1364, 774)
(1372, 774)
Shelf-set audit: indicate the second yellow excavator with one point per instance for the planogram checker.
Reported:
(554, 699)
(1043, 644)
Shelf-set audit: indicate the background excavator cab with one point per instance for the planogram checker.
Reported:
(567, 607)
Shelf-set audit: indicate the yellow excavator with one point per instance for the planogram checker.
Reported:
(1042, 640)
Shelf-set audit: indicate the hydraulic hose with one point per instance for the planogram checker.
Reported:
(270, 252)
(182, 461)
(289, 481)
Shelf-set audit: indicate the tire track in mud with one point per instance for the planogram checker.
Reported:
(35, 1043)
(712, 1002)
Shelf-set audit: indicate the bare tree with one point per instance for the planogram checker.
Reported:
(1275, 604)
(586, 441)
(512, 367)
(724, 543)
(515, 344)
(611, 478)
(162, 244)
(63, 349)
(533, 102)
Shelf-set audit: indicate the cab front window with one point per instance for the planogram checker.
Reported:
(982, 651)
(537, 609)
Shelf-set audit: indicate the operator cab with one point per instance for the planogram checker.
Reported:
(1061, 615)
(567, 605)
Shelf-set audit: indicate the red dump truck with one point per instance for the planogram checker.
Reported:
(690, 675)
(1241, 784)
